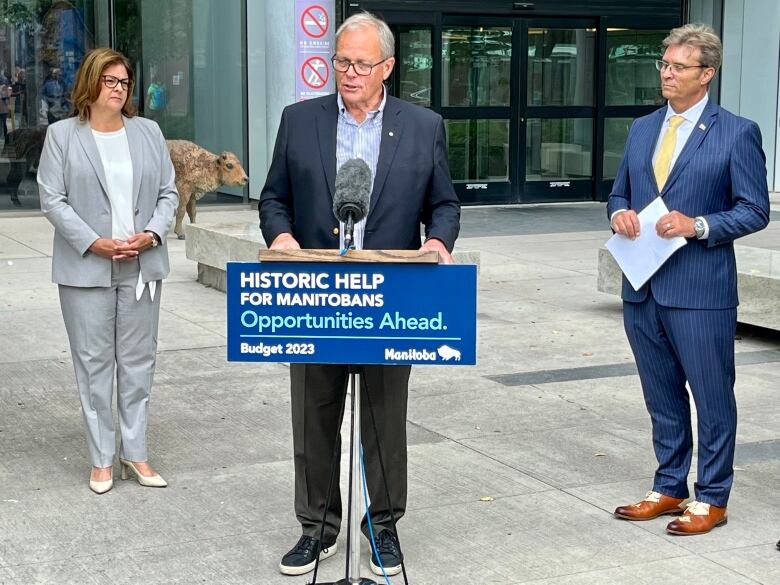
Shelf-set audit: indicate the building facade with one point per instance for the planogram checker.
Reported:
(538, 96)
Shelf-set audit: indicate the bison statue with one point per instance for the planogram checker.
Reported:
(198, 172)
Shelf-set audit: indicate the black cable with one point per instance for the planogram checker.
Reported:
(384, 481)
(334, 458)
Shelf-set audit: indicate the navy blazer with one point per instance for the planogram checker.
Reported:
(412, 184)
(720, 175)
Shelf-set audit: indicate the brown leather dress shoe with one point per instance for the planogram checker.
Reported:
(699, 518)
(653, 506)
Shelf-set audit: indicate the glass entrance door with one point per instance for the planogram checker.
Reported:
(476, 102)
(536, 109)
(557, 109)
(518, 97)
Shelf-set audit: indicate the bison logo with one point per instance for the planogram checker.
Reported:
(447, 353)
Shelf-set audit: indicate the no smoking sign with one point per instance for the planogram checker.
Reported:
(314, 21)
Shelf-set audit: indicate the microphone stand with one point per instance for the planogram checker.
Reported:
(352, 576)
(352, 570)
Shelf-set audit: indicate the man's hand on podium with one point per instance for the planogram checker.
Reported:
(285, 242)
(434, 245)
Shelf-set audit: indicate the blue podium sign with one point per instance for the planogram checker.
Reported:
(339, 313)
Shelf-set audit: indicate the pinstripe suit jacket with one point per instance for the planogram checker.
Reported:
(720, 175)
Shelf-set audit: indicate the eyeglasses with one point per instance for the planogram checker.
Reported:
(110, 82)
(676, 67)
(361, 68)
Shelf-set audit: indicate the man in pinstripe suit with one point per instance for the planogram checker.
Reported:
(708, 166)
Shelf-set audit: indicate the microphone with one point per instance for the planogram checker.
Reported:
(350, 199)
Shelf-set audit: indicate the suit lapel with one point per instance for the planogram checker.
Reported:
(135, 143)
(84, 132)
(327, 122)
(703, 125)
(392, 128)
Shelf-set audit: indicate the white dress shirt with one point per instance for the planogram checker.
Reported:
(684, 130)
(359, 140)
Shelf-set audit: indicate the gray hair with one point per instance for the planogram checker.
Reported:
(698, 36)
(363, 20)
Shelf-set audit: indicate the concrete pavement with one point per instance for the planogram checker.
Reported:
(550, 427)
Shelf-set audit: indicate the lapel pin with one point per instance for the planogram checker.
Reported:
(702, 126)
(390, 134)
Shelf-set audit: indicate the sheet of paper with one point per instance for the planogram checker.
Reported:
(639, 259)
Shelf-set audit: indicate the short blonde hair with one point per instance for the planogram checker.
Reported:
(89, 82)
(698, 36)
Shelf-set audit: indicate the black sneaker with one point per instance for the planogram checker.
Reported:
(302, 557)
(389, 553)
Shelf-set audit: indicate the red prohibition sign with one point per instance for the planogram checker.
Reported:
(312, 20)
(315, 72)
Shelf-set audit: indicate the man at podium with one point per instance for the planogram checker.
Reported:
(404, 146)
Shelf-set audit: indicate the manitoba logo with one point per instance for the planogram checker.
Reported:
(447, 353)
(413, 355)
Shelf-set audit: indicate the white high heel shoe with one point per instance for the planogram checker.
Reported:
(101, 487)
(145, 480)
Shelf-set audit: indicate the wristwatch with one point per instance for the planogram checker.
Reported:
(699, 226)
(155, 243)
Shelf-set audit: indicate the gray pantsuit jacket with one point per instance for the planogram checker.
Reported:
(72, 189)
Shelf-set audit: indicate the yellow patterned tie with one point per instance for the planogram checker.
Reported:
(663, 162)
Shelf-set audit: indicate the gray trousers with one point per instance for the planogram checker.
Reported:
(317, 395)
(107, 326)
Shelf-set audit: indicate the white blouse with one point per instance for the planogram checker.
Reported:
(118, 168)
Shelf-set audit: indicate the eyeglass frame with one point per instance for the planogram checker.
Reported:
(662, 65)
(125, 83)
(354, 65)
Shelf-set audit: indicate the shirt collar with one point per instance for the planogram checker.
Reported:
(692, 114)
(372, 114)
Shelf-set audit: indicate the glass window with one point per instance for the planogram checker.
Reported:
(414, 65)
(476, 66)
(41, 47)
(632, 78)
(615, 135)
(558, 148)
(188, 59)
(561, 66)
(478, 149)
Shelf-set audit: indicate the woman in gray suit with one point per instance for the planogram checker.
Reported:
(106, 183)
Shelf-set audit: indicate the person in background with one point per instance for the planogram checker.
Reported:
(19, 93)
(5, 96)
(106, 183)
(53, 97)
(156, 99)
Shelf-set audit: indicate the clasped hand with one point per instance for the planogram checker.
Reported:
(122, 250)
